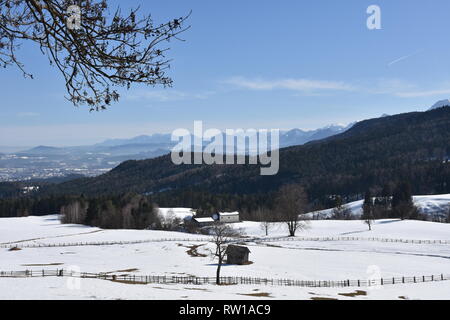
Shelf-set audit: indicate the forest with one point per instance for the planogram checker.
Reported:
(375, 155)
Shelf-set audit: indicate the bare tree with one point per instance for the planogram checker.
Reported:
(93, 50)
(222, 234)
(170, 221)
(266, 219)
(74, 212)
(291, 206)
(368, 210)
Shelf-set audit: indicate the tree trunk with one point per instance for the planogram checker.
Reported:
(291, 229)
(219, 265)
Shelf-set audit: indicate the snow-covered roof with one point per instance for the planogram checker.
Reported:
(236, 213)
(203, 220)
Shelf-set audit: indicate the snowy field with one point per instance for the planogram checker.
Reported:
(297, 260)
(431, 206)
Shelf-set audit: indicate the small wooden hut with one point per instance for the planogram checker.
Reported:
(237, 254)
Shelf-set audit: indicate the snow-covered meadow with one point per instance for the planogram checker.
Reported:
(432, 206)
(299, 260)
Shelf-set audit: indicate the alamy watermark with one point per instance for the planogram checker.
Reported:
(73, 282)
(374, 277)
(73, 20)
(374, 20)
(234, 146)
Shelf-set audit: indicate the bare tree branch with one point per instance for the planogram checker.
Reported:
(93, 53)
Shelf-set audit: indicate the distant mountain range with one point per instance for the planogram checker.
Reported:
(163, 142)
(52, 162)
(412, 147)
(47, 161)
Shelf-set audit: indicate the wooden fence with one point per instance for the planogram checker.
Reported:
(238, 240)
(152, 279)
(394, 240)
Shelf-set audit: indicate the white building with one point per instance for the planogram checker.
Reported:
(228, 217)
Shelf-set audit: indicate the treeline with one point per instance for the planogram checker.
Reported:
(135, 211)
(392, 203)
(126, 211)
(398, 203)
(10, 189)
(23, 206)
(129, 211)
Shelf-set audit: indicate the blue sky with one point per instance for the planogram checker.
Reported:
(252, 64)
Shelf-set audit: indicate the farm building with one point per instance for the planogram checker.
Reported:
(237, 254)
(227, 217)
(203, 221)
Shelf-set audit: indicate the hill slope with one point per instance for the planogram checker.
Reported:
(413, 146)
(433, 207)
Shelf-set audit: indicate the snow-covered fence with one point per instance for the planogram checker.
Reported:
(100, 243)
(393, 240)
(237, 240)
(143, 279)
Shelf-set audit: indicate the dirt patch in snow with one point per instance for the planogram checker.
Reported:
(259, 294)
(354, 294)
(322, 298)
(193, 250)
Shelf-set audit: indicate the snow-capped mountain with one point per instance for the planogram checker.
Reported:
(287, 138)
(297, 136)
(440, 104)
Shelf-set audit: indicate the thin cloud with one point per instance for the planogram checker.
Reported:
(404, 58)
(418, 94)
(301, 85)
(404, 89)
